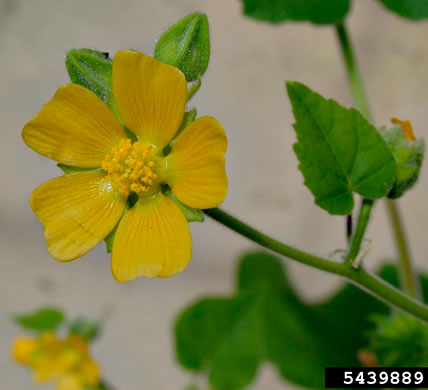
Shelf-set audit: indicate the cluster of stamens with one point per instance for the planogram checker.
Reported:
(130, 167)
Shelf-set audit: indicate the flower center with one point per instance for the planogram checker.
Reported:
(131, 167)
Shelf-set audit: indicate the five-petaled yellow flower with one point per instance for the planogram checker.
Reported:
(79, 210)
(66, 362)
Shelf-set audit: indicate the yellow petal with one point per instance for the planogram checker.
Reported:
(23, 349)
(69, 383)
(78, 211)
(90, 372)
(196, 165)
(75, 128)
(150, 96)
(153, 239)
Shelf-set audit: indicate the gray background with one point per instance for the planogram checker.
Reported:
(244, 89)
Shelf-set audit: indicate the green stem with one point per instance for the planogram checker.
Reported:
(360, 277)
(268, 242)
(357, 238)
(360, 97)
(409, 279)
(354, 76)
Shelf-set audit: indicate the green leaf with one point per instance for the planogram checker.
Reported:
(191, 214)
(90, 330)
(339, 151)
(197, 356)
(315, 11)
(259, 271)
(266, 320)
(241, 347)
(186, 45)
(411, 9)
(41, 320)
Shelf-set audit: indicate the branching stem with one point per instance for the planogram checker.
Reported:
(360, 277)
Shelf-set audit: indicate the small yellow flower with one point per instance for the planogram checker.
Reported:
(66, 362)
(80, 209)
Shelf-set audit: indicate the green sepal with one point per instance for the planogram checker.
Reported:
(315, 11)
(408, 155)
(92, 69)
(186, 45)
(89, 330)
(43, 319)
(188, 118)
(67, 169)
(339, 151)
(194, 87)
(191, 214)
(410, 9)
(109, 240)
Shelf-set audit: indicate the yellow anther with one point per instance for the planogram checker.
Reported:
(130, 167)
(407, 128)
(135, 187)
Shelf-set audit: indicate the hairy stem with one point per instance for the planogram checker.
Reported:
(357, 238)
(360, 277)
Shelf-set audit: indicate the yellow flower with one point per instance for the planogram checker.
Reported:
(80, 209)
(66, 362)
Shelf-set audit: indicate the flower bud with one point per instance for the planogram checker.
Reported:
(186, 45)
(91, 69)
(408, 153)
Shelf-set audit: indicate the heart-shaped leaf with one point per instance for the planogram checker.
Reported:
(339, 151)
